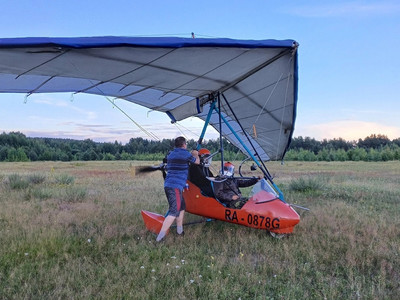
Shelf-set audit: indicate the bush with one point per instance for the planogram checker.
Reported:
(307, 155)
(387, 154)
(340, 155)
(291, 155)
(108, 156)
(38, 193)
(42, 193)
(323, 155)
(64, 179)
(126, 156)
(36, 178)
(307, 184)
(374, 155)
(16, 182)
(357, 154)
(75, 194)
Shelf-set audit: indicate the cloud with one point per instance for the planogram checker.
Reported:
(98, 136)
(111, 133)
(55, 102)
(51, 102)
(82, 125)
(348, 130)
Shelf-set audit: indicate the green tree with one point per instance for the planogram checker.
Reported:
(46, 155)
(323, 155)
(374, 155)
(15, 155)
(306, 155)
(3, 153)
(340, 155)
(108, 156)
(126, 156)
(374, 141)
(32, 155)
(357, 154)
(306, 143)
(387, 154)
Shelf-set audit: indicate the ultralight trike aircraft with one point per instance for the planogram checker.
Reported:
(266, 208)
(245, 89)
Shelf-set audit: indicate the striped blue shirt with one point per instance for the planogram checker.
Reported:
(177, 168)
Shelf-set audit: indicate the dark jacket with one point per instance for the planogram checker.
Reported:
(197, 175)
(224, 191)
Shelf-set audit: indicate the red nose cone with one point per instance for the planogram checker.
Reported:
(152, 221)
(288, 217)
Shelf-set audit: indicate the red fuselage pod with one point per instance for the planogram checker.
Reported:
(262, 211)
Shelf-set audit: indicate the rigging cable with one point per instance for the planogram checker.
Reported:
(187, 129)
(150, 134)
(181, 131)
(96, 86)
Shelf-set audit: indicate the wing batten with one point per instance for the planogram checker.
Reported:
(251, 72)
(38, 66)
(40, 85)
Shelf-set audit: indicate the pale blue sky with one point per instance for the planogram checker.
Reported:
(348, 62)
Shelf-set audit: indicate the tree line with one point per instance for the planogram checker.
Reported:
(15, 146)
(376, 147)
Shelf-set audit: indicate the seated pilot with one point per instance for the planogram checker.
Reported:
(198, 173)
(226, 187)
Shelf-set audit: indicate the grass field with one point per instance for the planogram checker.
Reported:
(73, 230)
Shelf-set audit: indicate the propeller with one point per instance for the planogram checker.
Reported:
(148, 169)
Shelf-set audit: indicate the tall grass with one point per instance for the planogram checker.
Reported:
(16, 182)
(93, 244)
(307, 184)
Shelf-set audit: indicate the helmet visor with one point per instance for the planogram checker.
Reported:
(207, 160)
(228, 170)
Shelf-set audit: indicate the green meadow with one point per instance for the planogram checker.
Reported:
(73, 230)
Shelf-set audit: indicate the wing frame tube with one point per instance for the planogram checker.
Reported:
(203, 132)
(220, 131)
(262, 167)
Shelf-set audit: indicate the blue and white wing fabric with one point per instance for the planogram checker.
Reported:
(178, 76)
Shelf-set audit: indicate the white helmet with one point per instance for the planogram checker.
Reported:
(229, 169)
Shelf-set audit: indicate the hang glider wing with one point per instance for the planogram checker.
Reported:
(258, 79)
